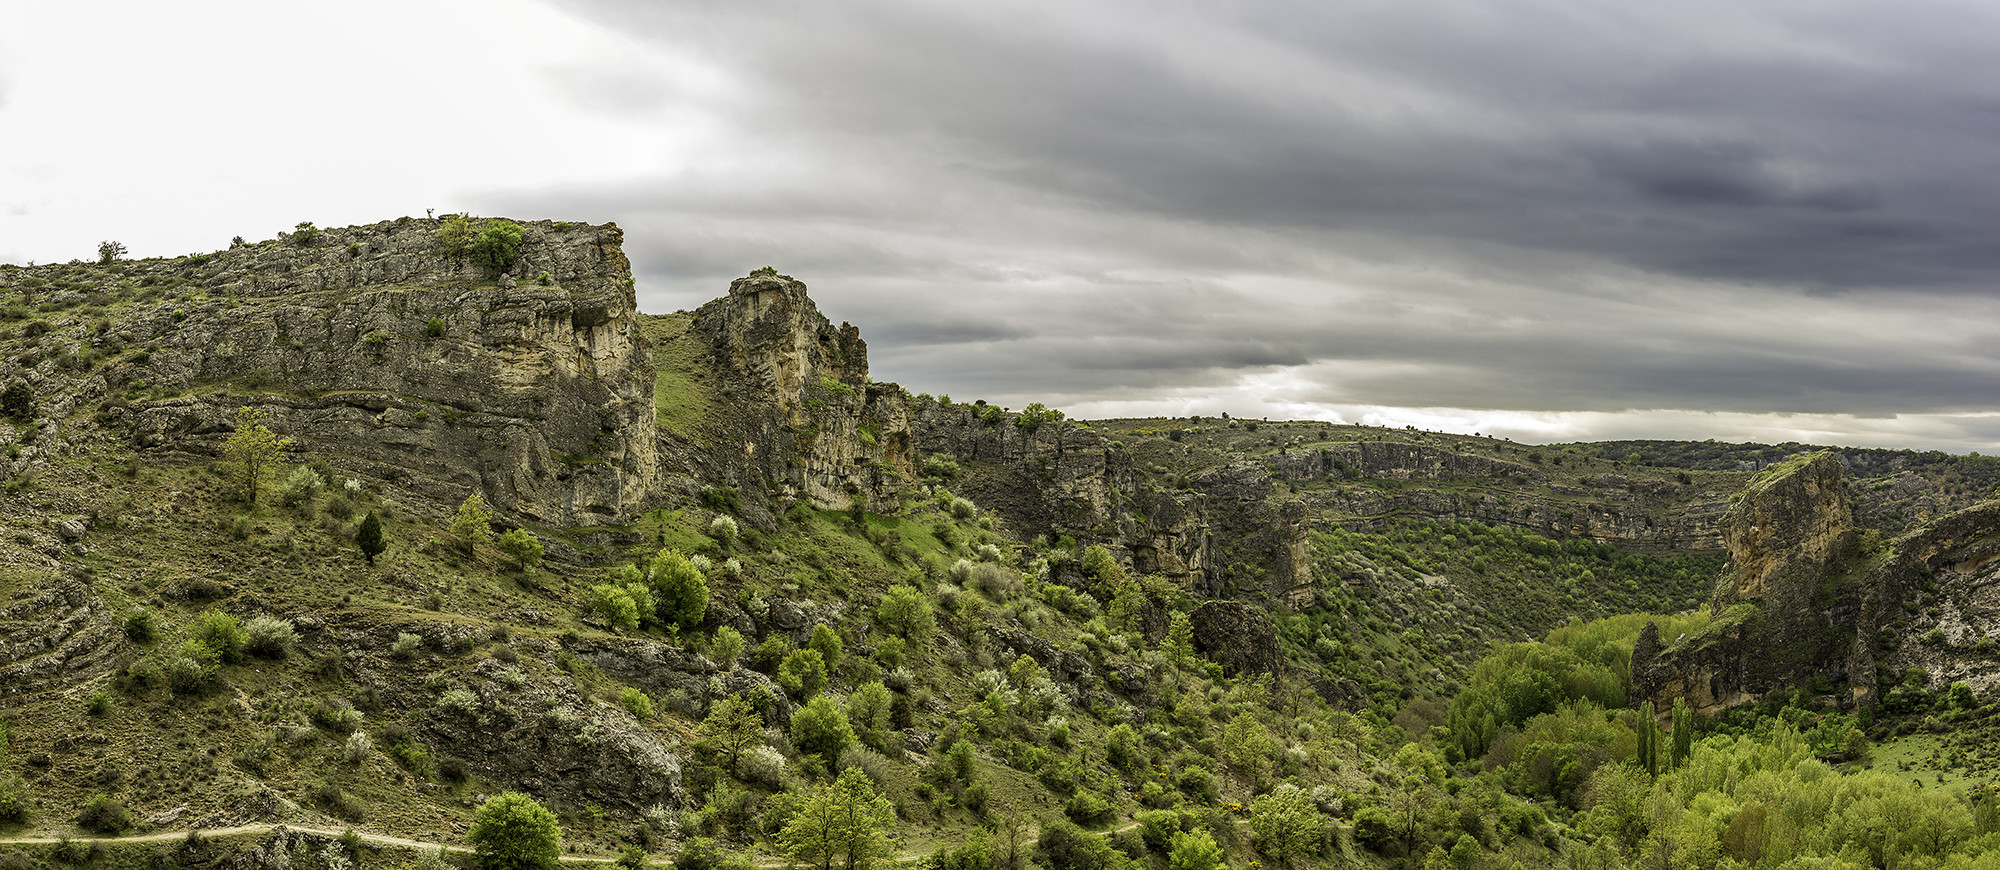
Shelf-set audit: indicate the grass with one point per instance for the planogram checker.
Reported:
(683, 401)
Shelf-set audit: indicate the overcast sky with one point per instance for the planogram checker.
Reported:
(1550, 221)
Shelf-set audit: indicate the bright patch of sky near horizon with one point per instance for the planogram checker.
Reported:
(1570, 221)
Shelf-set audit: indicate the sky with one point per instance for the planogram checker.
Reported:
(1547, 221)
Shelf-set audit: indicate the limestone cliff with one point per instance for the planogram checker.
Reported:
(1789, 612)
(1807, 605)
(371, 345)
(800, 407)
(1631, 512)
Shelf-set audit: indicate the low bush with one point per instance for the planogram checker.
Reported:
(104, 815)
(269, 637)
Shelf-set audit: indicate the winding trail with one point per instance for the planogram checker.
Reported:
(383, 839)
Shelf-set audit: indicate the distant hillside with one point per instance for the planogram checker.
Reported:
(671, 574)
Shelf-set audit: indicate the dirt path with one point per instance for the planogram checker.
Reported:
(383, 839)
(167, 836)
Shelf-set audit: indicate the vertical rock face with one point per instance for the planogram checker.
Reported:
(812, 422)
(1790, 614)
(1786, 533)
(1063, 479)
(371, 345)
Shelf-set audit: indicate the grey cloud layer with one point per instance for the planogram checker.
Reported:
(1538, 206)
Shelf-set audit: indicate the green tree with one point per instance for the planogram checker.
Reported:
(511, 831)
(828, 643)
(368, 536)
(841, 824)
(1683, 731)
(680, 591)
(1246, 747)
(803, 673)
(1285, 823)
(1195, 850)
(251, 449)
(1179, 645)
(497, 246)
(905, 611)
(728, 647)
(868, 711)
(523, 547)
(1465, 853)
(1647, 737)
(455, 235)
(109, 251)
(615, 604)
(732, 728)
(472, 525)
(820, 727)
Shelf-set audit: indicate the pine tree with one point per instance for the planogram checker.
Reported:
(369, 537)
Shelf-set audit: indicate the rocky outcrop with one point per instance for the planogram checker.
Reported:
(1064, 479)
(811, 423)
(1237, 636)
(371, 345)
(1795, 609)
(1788, 531)
(1631, 512)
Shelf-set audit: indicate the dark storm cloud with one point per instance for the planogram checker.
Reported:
(1540, 206)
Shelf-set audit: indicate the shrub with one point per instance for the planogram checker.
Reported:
(305, 233)
(615, 604)
(680, 591)
(728, 647)
(636, 703)
(299, 487)
(723, 529)
(337, 717)
(18, 400)
(406, 645)
(269, 637)
(1087, 807)
(962, 508)
(139, 626)
(497, 246)
(996, 582)
(958, 761)
(358, 748)
(455, 235)
(905, 611)
(874, 764)
(338, 803)
(14, 807)
(1064, 846)
(511, 831)
(185, 675)
(108, 251)
(829, 645)
(412, 756)
(460, 701)
(104, 815)
(762, 764)
(472, 525)
(368, 536)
